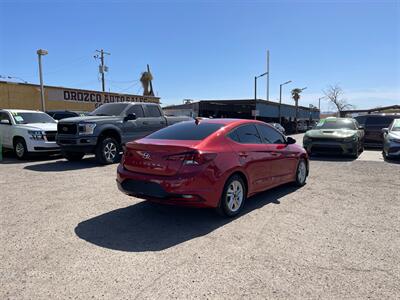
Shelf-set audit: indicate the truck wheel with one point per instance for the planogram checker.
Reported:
(357, 152)
(73, 156)
(108, 151)
(20, 149)
(385, 156)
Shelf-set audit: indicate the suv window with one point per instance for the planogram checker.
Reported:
(32, 117)
(383, 121)
(270, 135)
(395, 126)
(4, 116)
(60, 116)
(153, 111)
(137, 110)
(110, 109)
(248, 134)
(361, 119)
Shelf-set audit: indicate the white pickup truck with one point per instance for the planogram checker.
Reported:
(27, 131)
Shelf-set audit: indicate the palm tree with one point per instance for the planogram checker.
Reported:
(296, 96)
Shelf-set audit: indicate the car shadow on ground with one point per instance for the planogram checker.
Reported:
(64, 165)
(331, 157)
(151, 227)
(9, 158)
(393, 161)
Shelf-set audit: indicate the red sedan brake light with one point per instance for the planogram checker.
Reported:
(199, 158)
(193, 158)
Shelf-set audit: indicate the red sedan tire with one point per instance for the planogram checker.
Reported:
(233, 197)
(301, 173)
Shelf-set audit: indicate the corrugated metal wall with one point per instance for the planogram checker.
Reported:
(272, 111)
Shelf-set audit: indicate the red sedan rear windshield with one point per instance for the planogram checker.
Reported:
(186, 131)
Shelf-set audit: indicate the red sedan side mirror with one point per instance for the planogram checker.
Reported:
(290, 141)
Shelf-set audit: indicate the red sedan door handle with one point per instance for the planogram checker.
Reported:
(243, 154)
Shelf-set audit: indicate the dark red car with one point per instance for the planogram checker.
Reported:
(211, 163)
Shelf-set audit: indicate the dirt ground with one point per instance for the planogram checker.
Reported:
(67, 232)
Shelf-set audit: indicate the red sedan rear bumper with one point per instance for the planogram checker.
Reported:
(189, 190)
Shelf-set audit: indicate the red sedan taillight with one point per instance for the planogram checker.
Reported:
(194, 158)
(199, 158)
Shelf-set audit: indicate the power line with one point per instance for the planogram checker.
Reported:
(80, 84)
(67, 65)
(126, 81)
(14, 77)
(130, 86)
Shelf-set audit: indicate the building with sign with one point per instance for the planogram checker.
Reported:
(27, 96)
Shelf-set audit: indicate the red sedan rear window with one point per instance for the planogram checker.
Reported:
(186, 131)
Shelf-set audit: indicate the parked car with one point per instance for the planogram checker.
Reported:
(211, 163)
(27, 132)
(335, 135)
(373, 125)
(278, 126)
(63, 114)
(302, 126)
(108, 128)
(311, 125)
(391, 137)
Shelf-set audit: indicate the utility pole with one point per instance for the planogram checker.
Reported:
(319, 103)
(280, 100)
(102, 67)
(40, 53)
(267, 75)
(255, 97)
(255, 93)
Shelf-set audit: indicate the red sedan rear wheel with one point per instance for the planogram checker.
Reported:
(233, 197)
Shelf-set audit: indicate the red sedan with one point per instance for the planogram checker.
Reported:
(211, 163)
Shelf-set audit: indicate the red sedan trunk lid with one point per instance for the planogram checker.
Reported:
(157, 157)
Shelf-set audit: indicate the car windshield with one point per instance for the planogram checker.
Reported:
(186, 131)
(396, 125)
(32, 117)
(336, 124)
(110, 109)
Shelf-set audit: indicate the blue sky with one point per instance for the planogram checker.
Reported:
(210, 49)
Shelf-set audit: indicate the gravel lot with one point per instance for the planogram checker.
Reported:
(67, 232)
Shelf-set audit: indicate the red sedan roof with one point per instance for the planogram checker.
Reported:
(227, 121)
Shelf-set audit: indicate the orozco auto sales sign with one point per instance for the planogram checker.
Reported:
(97, 98)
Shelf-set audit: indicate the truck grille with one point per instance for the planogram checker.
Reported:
(325, 149)
(51, 136)
(339, 140)
(66, 128)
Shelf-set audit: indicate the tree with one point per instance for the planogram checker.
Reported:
(334, 93)
(296, 96)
